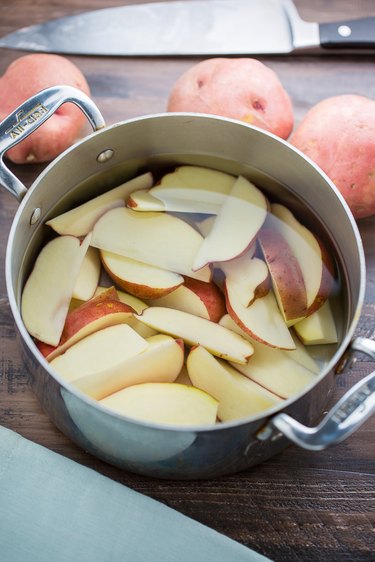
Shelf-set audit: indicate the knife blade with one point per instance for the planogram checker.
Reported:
(195, 27)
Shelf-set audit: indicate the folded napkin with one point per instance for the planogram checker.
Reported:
(55, 510)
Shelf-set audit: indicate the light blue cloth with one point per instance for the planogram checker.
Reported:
(55, 510)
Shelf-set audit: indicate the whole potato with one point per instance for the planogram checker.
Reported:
(339, 135)
(25, 77)
(241, 88)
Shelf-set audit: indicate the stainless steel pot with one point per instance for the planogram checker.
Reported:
(114, 154)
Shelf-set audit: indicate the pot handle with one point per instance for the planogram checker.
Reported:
(350, 412)
(33, 113)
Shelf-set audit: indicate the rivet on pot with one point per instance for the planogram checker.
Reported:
(268, 432)
(105, 155)
(35, 215)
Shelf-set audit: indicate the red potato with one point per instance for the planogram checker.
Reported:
(241, 88)
(338, 134)
(25, 77)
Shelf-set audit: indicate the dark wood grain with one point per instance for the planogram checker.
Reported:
(299, 506)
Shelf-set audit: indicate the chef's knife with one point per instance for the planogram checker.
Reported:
(195, 27)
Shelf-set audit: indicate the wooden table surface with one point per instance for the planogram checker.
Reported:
(316, 506)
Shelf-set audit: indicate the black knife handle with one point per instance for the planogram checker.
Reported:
(350, 34)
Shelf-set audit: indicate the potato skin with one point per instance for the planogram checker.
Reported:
(239, 88)
(23, 78)
(286, 274)
(338, 134)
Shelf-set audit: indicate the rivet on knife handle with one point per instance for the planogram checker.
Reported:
(351, 34)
